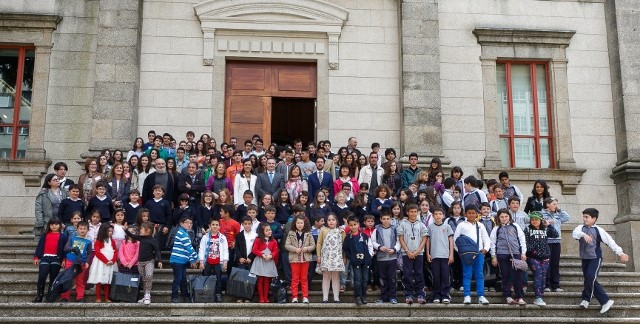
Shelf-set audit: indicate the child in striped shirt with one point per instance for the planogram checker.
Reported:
(182, 254)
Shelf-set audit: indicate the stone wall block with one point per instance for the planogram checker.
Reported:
(115, 91)
(119, 18)
(116, 54)
(118, 37)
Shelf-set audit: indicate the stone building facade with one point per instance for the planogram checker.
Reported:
(417, 75)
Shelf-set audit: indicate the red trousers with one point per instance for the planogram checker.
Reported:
(299, 275)
(80, 279)
(263, 284)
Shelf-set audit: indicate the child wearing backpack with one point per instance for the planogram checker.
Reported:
(476, 232)
(508, 242)
(590, 235)
(538, 252)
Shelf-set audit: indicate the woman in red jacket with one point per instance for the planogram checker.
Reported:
(265, 248)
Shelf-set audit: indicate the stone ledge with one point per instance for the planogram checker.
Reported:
(568, 178)
(510, 36)
(33, 21)
(31, 170)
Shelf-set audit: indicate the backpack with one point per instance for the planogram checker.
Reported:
(468, 249)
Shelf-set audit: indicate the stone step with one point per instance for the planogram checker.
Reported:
(163, 295)
(302, 311)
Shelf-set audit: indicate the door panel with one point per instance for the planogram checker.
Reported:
(249, 79)
(248, 115)
(297, 81)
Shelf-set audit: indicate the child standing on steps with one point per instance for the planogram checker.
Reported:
(49, 255)
(265, 248)
(128, 254)
(508, 242)
(440, 255)
(148, 256)
(590, 235)
(300, 243)
(330, 261)
(83, 243)
(104, 262)
(538, 252)
(412, 235)
(357, 248)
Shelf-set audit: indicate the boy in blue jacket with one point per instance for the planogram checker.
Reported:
(357, 248)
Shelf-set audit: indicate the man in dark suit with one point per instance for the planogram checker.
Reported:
(192, 183)
(320, 179)
(269, 182)
(161, 177)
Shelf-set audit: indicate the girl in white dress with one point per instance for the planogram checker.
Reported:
(104, 262)
(330, 261)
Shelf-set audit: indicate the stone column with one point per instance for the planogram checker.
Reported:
(621, 19)
(422, 121)
(115, 105)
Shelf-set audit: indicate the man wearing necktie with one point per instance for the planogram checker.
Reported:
(320, 179)
(192, 183)
(269, 182)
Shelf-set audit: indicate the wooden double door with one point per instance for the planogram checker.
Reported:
(252, 88)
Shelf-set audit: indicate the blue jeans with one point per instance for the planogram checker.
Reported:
(360, 278)
(476, 270)
(179, 280)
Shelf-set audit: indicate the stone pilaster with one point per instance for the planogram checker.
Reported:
(422, 118)
(624, 41)
(115, 105)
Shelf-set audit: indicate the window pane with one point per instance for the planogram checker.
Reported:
(524, 153)
(27, 86)
(541, 83)
(545, 160)
(8, 77)
(522, 100)
(501, 99)
(5, 142)
(504, 152)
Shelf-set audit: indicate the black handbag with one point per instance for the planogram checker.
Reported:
(124, 287)
(277, 291)
(202, 288)
(241, 283)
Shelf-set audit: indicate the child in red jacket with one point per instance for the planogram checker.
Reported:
(104, 262)
(265, 248)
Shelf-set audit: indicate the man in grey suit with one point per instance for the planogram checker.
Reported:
(269, 182)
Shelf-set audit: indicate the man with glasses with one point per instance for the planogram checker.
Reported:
(163, 178)
(372, 173)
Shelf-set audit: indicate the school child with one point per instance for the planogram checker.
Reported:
(244, 246)
(49, 256)
(508, 242)
(330, 261)
(229, 228)
(267, 200)
(590, 236)
(412, 235)
(84, 245)
(385, 242)
(104, 262)
(159, 214)
(368, 229)
(487, 219)
(204, 212)
(360, 205)
(182, 210)
(128, 254)
(519, 217)
(119, 224)
(440, 254)
(141, 217)
(340, 206)
(131, 208)
(500, 201)
(252, 213)
(182, 254)
(425, 215)
(94, 227)
(472, 195)
(476, 231)
(71, 229)
(241, 209)
(318, 224)
(448, 196)
(357, 248)
(320, 205)
(70, 205)
(456, 218)
(265, 248)
(538, 253)
(509, 189)
(396, 213)
(148, 256)
(276, 228)
(101, 202)
(300, 244)
(214, 255)
(283, 207)
(554, 217)
(382, 201)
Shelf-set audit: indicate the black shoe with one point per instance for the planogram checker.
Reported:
(81, 300)
(364, 300)
(336, 301)
(218, 298)
(38, 298)
(358, 301)
(174, 300)
(64, 300)
(186, 300)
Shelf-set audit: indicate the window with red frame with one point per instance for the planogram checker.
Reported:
(16, 81)
(524, 114)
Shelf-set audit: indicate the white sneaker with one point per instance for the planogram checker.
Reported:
(436, 301)
(539, 302)
(547, 290)
(467, 300)
(147, 300)
(606, 306)
(585, 304)
(483, 300)
(461, 289)
(305, 300)
(446, 300)
(521, 302)
(294, 300)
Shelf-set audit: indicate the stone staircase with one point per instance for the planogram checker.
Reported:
(18, 276)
